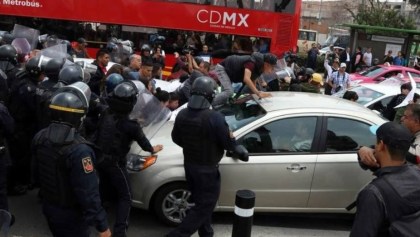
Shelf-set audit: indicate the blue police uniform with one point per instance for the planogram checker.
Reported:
(63, 166)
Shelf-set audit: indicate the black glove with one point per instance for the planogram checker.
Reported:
(240, 152)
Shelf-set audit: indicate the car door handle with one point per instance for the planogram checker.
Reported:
(296, 168)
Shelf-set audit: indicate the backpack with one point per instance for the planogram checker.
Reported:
(404, 226)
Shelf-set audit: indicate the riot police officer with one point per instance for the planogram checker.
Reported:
(204, 135)
(9, 63)
(115, 134)
(6, 131)
(64, 168)
(23, 107)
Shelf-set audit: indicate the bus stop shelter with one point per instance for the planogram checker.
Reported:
(378, 38)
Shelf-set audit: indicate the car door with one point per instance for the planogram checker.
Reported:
(338, 176)
(280, 166)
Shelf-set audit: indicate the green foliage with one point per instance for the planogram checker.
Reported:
(376, 13)
(415, 4)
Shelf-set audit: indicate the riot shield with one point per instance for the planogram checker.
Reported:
(32, 35)
(22, 46)
(148, 111)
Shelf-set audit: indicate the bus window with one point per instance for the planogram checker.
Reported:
(275, 21)
(306, 39)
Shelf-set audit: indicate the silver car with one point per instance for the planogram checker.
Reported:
(302, 158)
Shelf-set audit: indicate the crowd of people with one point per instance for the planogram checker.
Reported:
(67, 130)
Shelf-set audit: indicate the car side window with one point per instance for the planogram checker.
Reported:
(284, 135)
(392, 74)
(347, 134)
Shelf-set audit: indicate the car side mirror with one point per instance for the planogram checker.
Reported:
(380, 79)
(239, 152)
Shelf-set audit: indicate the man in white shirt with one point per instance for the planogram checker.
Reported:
(367, 57)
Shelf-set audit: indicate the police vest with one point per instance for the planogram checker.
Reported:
(199, 148)
(235, 69)
(108, 138)
(53, 168)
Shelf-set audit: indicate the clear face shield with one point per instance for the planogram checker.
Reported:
(80, 89)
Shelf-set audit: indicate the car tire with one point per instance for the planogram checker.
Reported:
(172, 203)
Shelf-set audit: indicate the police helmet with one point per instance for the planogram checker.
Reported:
(52, 69)
(202, 93)
(8, 53)
(112, 81)
(270, 58)
(33, 66)
(309, 71)
(123, 97)
(145, 47)
(70, 104)
(70, 74)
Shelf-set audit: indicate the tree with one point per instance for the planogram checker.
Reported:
(415, 4)
(376, 13)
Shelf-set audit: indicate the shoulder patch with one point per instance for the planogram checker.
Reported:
(87, 165)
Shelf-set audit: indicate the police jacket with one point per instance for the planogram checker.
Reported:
(63, 166)
(235, 67)
(23, 106)
(7, 125)
(203, 134)
(115, 134)
(372, 217)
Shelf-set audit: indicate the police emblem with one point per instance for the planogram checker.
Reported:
(87, 165)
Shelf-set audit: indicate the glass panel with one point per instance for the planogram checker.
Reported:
(285, 135)
(348, 135)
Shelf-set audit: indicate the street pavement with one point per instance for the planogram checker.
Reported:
(31, 223)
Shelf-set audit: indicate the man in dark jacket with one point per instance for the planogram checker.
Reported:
(395, 192)
(96, 81)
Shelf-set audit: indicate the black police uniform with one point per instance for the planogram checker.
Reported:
(204, 135)
(114, 136)
(6, 131)
(22, 107)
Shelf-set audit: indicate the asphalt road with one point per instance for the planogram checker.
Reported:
(31, 223)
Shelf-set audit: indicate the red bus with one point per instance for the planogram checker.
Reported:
(274, 21)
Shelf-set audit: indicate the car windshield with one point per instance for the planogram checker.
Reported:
(373, 71)
(366, 94)
(239, 115)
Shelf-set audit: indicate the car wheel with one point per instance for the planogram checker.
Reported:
(172, 203)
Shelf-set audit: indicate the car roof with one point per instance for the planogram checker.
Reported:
(286, 100)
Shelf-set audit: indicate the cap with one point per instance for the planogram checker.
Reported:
(81, 41)
(316, 77)
(393, 134)
(343, 65)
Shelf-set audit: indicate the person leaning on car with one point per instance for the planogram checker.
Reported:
(411, 120)
(203, 135)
